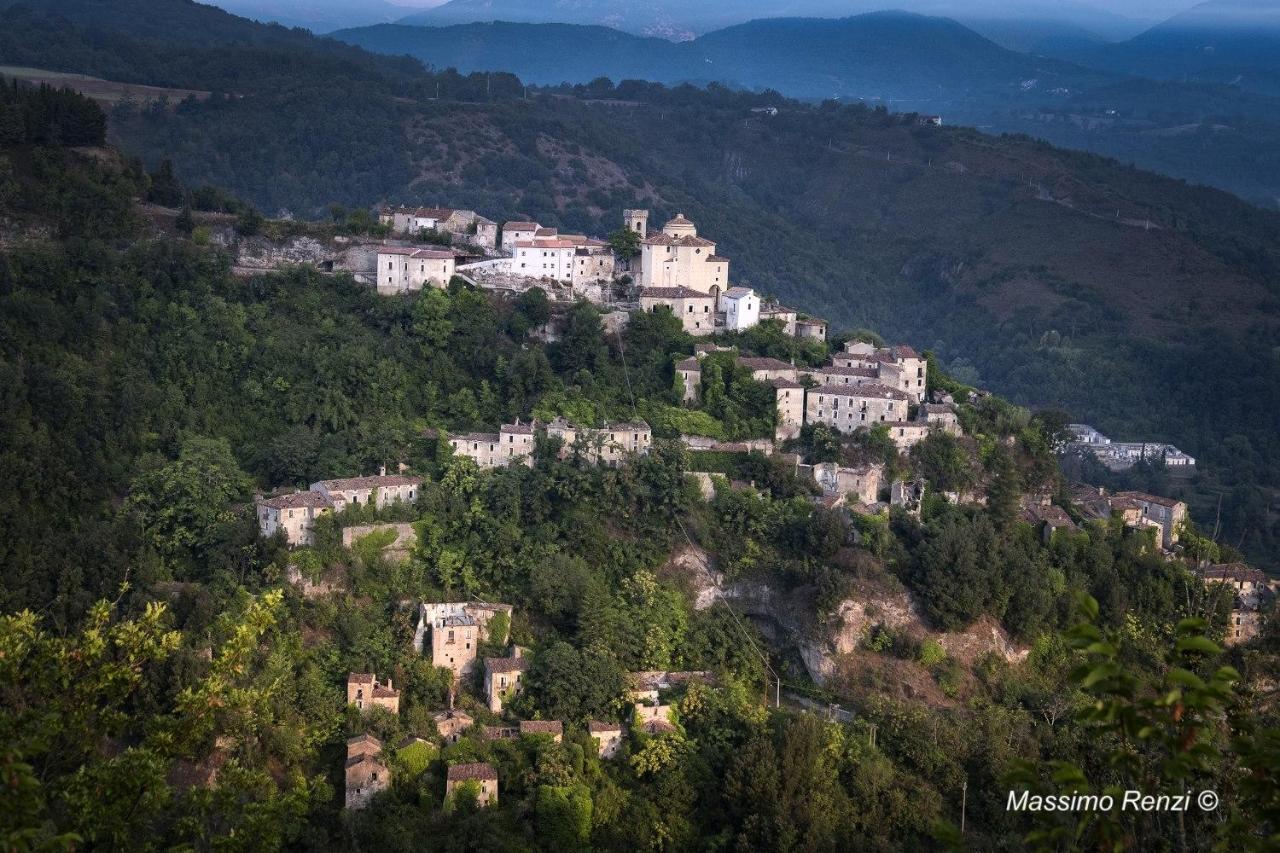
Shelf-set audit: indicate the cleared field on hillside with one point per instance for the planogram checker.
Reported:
(106, 92)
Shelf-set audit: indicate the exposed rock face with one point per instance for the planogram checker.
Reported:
(789, 617)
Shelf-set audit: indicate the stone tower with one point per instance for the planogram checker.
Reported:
(637, 220)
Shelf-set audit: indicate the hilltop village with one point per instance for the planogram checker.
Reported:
(863, 390)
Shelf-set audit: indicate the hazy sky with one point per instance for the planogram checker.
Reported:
(1128, 8)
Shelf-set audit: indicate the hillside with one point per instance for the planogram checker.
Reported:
(1058, 278)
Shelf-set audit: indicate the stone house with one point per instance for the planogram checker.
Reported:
(657, 727)
(695, 310)
(503, 676)
(479, 775)
(863, 483)
(1167, 513)
(608, 445)
(366, 772)
(646, 685)
(789, 401)
(677, 257)
(365, 691)
(907, 434)
(766, 369)
(848, 408)
(403, 269)
(465, 226)
(295, 514)
(741, 308)
(450, 724)
(645, 711)
(1250, 588)
(512, 444)
(554, 728)
(382, 490)
(517, 232)
(608, 737)
(811, 327)
(1046, 517)
(455, 630)
(940, 415)
(397, 551)
(491, 733)
(907, 494)
(897, 366)
(845, 374)
(690, 372)
(784, 315)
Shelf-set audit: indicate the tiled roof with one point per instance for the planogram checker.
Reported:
(657, 727)
(499, 732)
(937, 409)
(673, 293)
(546, 232)
(517, 428)
(541, 727)
(452, 714)
(690, 363)
(481, 437)
(409, 251)
(377, 481)
(545, 244)
(624, 426)
(872, 389)
(841, 370)
(297, 500)
(521, 226)
(1150, 498)
(594, 726)
(475, 770)
(380, 692)
(660, 239)
(361, 678)
(678, 219)
(738, 292)
(506, 664)
(903, 351)
(780, 382)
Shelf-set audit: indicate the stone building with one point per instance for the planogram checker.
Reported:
(897, 366)
(863, 484)
(907, 434)
(810, 327)
(365, 691)
(789, 401)
(608, 737)
(512, 444)
(608, 445)
(504, 676)
(695, 310)
(403, 269)
(690, 372)
(366, 772)
(848, 408)
(517, 232)
(479, 776)
(784, 315)
(1250, 589)
(677, 257)
(550, 259)
(295, 514)
(450, 724)
(455, 630)
(1167, 513)
(554, 728)
(940, 416)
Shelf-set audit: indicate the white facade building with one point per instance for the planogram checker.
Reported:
(741, 308)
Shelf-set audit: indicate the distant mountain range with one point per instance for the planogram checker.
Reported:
(913, 61)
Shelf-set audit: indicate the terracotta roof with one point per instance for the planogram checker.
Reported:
(594, 726)
(506, 664)
(775, 308)
(361, 678)
(476, 770)
(673, 293)
(381, 692)
(452, 714)
(409, 251)
(678, 219)
(872, 389)
(937, 408)
(362, 740)
(521, 226)
(545, 244)
(785, 383)
(903, 351)
(546, 232)
(434, 212)
(363, 758)
(373, 482)
(690, 363)
(499, 732)
(657, 727)
(517, 428)
(633, 426)
(296, 500)
(541, 727)
(660, 239)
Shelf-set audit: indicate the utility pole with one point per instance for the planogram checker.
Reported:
(964, 801)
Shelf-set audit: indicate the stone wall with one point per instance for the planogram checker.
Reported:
(397, 551)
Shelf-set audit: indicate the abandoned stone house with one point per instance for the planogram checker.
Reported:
(366, 772)
(609, 444)
(862, 484)
(480, 776)
(365, 691)
(898, 366)
(512, 444)
(940, 415)
(847, 408)
(1250, 590)
(1167, 513)
(465, 226)
(608, 737)
(554, 728)
(404, 269)
(297, 512)
(504, 677)
(455, 630)
(907, 434)
(451, 723)
(695, 310)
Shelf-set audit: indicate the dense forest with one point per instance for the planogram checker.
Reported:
(162, 685)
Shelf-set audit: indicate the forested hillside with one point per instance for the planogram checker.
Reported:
(1058, 278)
(172, 682)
